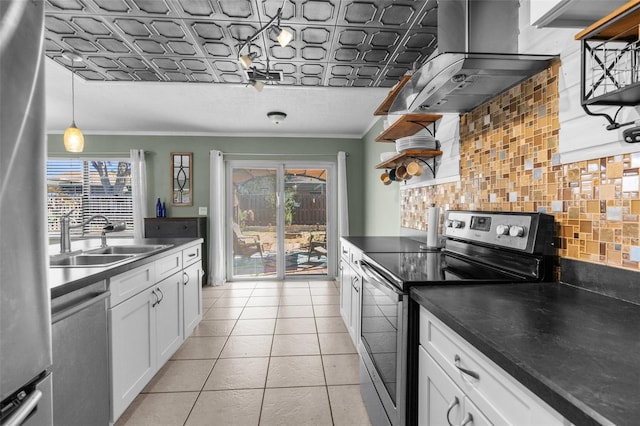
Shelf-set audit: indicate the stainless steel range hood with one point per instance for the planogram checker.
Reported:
(477, 59)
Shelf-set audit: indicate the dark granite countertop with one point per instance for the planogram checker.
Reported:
(385, 244)
(579, 351)
(64, 280)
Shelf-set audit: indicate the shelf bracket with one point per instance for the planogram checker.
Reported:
(613, 124)
(431, 167)
(419, 123)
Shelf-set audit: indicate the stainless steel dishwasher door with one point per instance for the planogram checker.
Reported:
(80, 373)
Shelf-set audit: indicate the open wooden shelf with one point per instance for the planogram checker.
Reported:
(403, 157)
(407, 125)
(383, 109)
(621, 24)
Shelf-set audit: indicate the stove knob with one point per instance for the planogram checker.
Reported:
(502, 229)
(516, 231)
(458, 224)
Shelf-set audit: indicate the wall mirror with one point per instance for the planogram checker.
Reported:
(181, 178)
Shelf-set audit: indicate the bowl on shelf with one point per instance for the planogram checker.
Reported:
(384, 156)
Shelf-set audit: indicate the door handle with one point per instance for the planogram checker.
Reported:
(29, 404)
(161, 295)
(153, 305)
(455, 402)
(467, 420)
(185, 278)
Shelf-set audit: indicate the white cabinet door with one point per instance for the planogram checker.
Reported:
(133, 349)
(192, 297)
(356, 286)
(345, 293)
(439, 399)
(169, 317)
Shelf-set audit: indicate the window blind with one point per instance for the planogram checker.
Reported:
(89, 187)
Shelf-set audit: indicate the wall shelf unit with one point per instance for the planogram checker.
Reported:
(422, 155)
(610, 67)
(408, 125)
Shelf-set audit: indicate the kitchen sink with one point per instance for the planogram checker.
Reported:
(88, 260)
(127, 249)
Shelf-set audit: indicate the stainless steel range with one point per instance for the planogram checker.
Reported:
(480, 248)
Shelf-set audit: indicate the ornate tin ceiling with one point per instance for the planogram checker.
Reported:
(338, 43)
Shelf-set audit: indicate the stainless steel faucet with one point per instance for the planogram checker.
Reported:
(65, 227)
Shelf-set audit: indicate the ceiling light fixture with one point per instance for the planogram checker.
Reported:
(266, 76)
(276, 117)
(73, 137)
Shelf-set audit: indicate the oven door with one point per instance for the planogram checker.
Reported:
(383, 346)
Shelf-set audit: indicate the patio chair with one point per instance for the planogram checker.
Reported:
(246, 245)
(317, 244)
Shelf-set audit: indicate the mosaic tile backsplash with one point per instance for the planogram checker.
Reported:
(509, 162)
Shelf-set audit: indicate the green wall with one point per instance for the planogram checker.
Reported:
(382, 203)
(158, 149)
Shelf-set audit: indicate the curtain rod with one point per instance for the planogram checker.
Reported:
(282, 155)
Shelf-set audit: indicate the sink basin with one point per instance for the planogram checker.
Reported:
(127, 249)
(88, 260)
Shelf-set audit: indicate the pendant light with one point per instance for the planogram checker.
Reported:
(73, 137)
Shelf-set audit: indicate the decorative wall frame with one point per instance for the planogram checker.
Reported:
(181, 165)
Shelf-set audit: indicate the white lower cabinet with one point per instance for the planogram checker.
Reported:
(148, 326)
(458, 385)
(192, 290)
(350, 285)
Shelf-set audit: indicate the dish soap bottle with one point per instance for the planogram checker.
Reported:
(158, 208)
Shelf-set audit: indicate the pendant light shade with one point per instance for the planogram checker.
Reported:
(284, 37)
(73, 137)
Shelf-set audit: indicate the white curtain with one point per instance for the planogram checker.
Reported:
(217, 274)
(343, 199)
(139, 190)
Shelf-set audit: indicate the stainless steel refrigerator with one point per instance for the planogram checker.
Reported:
(25, 317)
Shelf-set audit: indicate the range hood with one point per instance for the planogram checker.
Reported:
(477, 58)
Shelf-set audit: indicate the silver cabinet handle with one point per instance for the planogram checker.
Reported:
(456, 361)
(161, 295)
(153, 305)
(185, 278)
(467, 420)
(455, 402)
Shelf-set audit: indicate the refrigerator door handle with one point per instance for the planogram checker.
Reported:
(28, 405)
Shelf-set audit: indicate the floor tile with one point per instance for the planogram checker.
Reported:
(324, 291)
(326, 310)
(330, 325)
(347, 406)
(296, 284)
(341, 369)
(294, 291)
(247, 346)
(295, 326)
(287, 300)
(197, 347)
(296, 406)
(336, 343)
(295, 311)
(230, 407)
(214, 328)
(261, 292)
(264, 301)
(158, 409)
(239, 292)
(231, 302)
(238, 373)
(207, 303)
(222, 313)
(259, 312)
(326, 300)
(295, 344)
(180, 376)
(252, 327)
(290, 371)
(269, 284)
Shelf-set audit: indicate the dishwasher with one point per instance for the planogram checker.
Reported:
(81, 356)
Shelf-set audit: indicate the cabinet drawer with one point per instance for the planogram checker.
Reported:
(172, 227)
(191, 255)
(130, 283)
(168, 265)
(498, 395)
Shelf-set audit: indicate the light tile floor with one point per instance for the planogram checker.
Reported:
(265, 353)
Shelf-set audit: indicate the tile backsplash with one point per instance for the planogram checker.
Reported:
(509, 161)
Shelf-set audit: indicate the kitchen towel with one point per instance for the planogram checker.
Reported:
(433, 216)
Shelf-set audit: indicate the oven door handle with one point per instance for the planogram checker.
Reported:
(380, 282)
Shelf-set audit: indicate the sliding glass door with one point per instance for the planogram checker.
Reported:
(280, 219)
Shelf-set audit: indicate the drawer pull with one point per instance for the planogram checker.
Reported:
(467, 420)
(473, 374)
(453, 404)
(192, 254)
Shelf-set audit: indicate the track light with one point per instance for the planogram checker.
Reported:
(73, 137)
(283, 36)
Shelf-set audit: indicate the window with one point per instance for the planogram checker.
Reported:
(89, 187)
